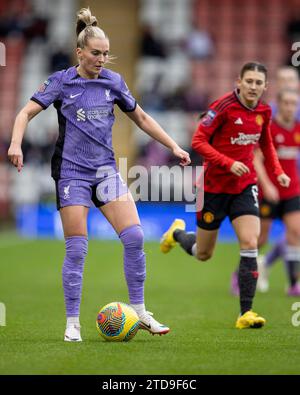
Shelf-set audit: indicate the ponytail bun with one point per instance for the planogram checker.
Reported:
(84, 19)
(87, 27)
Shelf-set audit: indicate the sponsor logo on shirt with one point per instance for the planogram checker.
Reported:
(77, 94)
(67, 192)
(245, 139)
(98, 113)
(81, 115)
(95, 113)
(209, 117)
(287, 152)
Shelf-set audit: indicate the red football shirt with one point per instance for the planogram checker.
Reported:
(229, 132)
(287, 144)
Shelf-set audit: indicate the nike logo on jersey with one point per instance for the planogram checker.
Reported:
(72, 96)
(238, 122)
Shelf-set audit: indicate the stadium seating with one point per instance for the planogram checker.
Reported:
(243, 32)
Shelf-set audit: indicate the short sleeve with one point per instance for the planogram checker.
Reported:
(125, 100)
(49, 91)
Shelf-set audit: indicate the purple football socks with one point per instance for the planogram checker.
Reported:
(278, 251)
(134, 262)
(72, 273)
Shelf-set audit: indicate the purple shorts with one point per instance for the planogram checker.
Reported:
(70, 192)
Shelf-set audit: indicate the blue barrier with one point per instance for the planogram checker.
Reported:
(43, 221)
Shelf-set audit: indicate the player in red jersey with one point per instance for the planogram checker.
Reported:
(278, 202)
(226, 138)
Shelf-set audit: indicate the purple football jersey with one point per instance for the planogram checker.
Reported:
(85, 109)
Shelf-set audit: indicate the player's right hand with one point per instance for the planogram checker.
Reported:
(284, 180)
(238, 168)
(15, 155)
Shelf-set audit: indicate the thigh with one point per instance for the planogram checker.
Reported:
(265, 225)
(292, 223)
(247, 229)
(74, 220)
(108, 189)
(121, 213)
(206, 241)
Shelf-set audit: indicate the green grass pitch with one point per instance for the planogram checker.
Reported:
(191, 297)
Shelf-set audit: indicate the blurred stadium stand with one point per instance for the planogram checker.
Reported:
(176, 56)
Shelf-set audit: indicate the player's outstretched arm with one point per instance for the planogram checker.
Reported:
(28, 112)
(154, 130)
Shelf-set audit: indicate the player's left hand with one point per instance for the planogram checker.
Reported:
(183, 155)
(284, 180)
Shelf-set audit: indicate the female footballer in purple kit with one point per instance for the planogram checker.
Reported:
(83, 165)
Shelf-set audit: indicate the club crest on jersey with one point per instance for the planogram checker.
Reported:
(297, 138)
(259, 120)
(107, 94)
(67, 192)
(209, 117)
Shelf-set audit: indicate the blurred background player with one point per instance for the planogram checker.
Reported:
(226, 138)
(278, 202)
(84, 168)
(287, 78)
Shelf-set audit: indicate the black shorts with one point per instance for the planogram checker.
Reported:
(218, 205)
(269, 210)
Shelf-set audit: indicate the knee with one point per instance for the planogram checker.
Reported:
(293, 236)
(262, 240)
(133, 237)
(204, 255)
(76, 248)
(249, 243)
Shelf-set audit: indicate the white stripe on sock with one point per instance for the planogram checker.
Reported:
(194, 250)
(292, 253)
(249, 253)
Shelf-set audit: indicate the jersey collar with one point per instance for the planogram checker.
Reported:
(276, 121)
(74, 75)
(236, 93)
